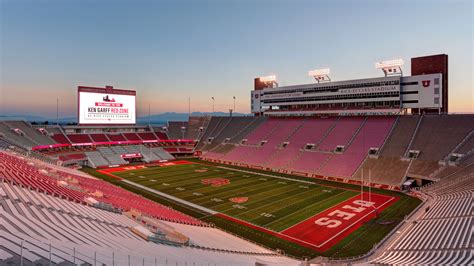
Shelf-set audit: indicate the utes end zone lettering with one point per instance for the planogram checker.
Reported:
(332, 225)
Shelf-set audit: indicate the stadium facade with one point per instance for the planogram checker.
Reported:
(423, 92)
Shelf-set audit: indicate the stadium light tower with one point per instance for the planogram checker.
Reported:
(391, 67)
(320, 75)
(212, 98)
(234, 103)
(270, 81)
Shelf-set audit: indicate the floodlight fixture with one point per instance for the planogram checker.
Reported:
(270, 78)
(320, 75)
(391, 67)
(270, 81)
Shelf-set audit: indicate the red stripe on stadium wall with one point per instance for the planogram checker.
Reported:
(110, 170)
(123, 142)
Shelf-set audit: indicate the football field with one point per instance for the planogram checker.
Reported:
(310, 214)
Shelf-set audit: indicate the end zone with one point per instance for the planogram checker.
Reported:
(325, 229)
(109, 171)
(332, 225)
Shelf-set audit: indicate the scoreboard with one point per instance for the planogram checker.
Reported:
(106, 106)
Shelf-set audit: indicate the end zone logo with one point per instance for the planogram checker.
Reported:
(426, 83)
(239, 199)
(215, 182)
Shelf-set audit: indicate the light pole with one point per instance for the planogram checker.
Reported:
(57, 111)
(212, 98)
(234, 103)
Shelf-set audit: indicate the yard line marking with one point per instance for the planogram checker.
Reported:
(296, 202)
(272, 188)
(344, 191)
(302, 192)
(171, 197)
(286, 178)
(358, 195)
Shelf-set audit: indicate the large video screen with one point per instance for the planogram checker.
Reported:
(106, 108)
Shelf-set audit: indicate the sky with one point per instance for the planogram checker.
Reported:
(169, 51)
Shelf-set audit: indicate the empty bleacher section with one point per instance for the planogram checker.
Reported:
(280, 134)
(77, 188)
(60, 138)
(232, 135)
(99, 137)
(216, 124)
(116, 137)
(392, 136)
(280, 144)
(79, 138)
(387, 167)
(44, 217)
(106, 156)
(227, 132)
(269, 133)
(96, 159)
(294, 156)
(161, 135)
(73, 157)
(437, 136)
(342, 133)
(308, 145)
(176, 130)
(112, 154)
(383, 170)
(22, 134)
(440, 233)
(34, 134)
(147, 136)
(83, 234)
(162, 153)
(399, 139)
(196, 126)
(467, 146)
(263, 131)
(131, 136)
(51, 129)
(247, 129)
(371, 135)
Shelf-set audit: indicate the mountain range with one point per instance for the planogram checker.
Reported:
(152, 119)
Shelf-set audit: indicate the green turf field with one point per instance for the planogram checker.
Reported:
(273, 203)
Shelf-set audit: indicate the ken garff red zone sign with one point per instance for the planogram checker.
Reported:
(106, 106)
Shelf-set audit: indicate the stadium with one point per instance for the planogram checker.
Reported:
(366, 171)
